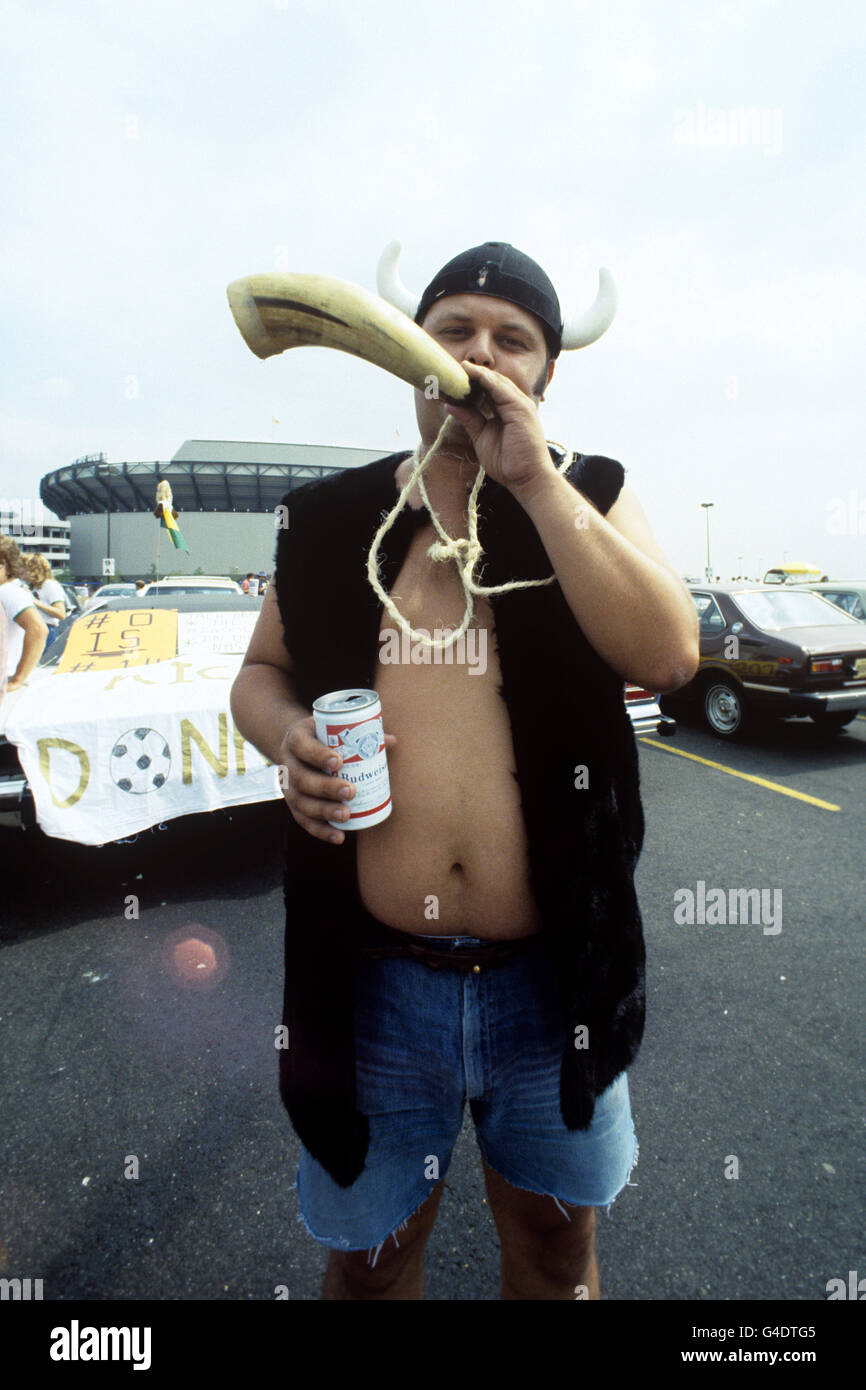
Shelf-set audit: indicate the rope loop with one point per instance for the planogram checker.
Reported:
(465, 551)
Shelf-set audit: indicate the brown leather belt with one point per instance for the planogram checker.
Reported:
(464, 958)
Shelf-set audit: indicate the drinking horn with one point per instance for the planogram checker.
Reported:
(279, 311)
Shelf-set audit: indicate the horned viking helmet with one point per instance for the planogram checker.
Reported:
(502, 271)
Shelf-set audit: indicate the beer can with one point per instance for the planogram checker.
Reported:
(350, 722)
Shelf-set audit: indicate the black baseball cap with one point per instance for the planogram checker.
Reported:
(503, 272)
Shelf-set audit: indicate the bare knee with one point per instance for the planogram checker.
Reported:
(397, 1259)
(569, 1248)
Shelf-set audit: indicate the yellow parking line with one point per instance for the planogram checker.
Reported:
(746, 776)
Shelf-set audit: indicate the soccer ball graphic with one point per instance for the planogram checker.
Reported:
(140, 761)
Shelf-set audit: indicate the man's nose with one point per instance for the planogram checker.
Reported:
(480, 349)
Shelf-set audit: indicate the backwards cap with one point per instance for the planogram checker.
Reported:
(497, 269)
(502, 271)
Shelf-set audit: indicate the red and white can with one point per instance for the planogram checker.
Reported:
(350, 722)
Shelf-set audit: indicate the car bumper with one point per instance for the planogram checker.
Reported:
(793, 702)
(16, 801)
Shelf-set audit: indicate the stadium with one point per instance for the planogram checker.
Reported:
(224, 491)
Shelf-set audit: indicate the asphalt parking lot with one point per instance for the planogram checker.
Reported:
(752, 1061)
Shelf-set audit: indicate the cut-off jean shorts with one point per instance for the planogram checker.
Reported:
(425, 1042)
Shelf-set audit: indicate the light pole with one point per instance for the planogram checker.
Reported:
(708, 571)
(104, 470)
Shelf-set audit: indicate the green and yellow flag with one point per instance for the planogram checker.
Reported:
(171, 527)
(165, 514)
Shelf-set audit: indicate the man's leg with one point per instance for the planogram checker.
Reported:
(398, 1272)
(545, 1255)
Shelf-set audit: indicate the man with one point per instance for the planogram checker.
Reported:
(26, 632)
(490, 923)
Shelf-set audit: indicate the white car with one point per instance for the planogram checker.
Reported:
(110, 591)
(126, 723)
(190, 584)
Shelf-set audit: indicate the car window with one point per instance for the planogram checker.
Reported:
(188, 589)
(848, 601)
(709, 613)
(788, 608)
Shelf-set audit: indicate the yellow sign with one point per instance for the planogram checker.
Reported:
(129, 637)
(860, 667)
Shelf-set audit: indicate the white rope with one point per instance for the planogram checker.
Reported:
(466, 552)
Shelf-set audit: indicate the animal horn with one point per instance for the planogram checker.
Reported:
(279, 311)
(389, 284)
(597, 319)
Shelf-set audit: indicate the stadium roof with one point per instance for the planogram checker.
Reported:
(206, 475)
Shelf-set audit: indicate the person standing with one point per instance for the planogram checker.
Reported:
(26, 630)
(483, 942)
(49, 597)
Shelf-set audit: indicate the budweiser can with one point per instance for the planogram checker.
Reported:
(350, 722)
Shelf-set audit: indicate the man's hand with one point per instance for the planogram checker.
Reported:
(505, 431)
(312, 794)
(14, 684)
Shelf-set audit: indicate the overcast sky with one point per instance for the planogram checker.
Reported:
(710, 154)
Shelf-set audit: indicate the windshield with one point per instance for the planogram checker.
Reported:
(771, 612)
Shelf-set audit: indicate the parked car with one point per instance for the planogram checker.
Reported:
(847, 594)
(73, 598)
(106, 591)
(645, 713)
(776, 651)
(190, 584)
(794, 574)
(125, 723)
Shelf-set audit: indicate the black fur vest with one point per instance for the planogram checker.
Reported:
(583, 842)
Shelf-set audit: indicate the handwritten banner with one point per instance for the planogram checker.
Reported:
(105, 640)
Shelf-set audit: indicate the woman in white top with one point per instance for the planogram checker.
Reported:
(49, 597)
(26, 632)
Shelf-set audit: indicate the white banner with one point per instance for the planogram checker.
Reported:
(110, 753)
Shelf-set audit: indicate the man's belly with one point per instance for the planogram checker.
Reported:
(452, 858)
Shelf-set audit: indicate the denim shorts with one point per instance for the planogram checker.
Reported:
(428, 1040)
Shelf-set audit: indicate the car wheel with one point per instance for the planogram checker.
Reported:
(725, 711)
(833, 720)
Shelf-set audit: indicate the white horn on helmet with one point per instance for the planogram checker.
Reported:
(389, 284)
(597, 319)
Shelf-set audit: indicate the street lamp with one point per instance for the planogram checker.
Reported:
(104, 469)
(708, 571)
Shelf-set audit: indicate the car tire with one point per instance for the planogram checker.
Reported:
(833, 721)
(725, 711)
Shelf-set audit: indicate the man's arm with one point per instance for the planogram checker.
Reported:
(629, 601)
(266, 708)
(264, 701)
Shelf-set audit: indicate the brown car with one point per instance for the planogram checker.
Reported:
(775, 651)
